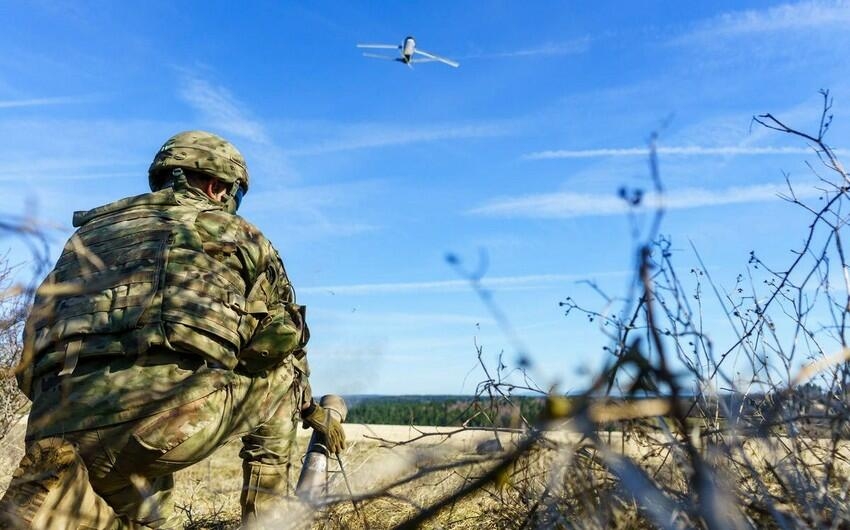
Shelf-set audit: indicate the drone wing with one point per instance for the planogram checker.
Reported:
(431, 57)
(385, 57)
(380, 46)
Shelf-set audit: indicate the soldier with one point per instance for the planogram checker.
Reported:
(167, 327)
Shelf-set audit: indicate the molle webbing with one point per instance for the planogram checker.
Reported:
(140, 268)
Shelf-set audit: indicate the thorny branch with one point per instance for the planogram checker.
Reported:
(729, 448)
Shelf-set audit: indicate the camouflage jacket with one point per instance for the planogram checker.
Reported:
(149, 293)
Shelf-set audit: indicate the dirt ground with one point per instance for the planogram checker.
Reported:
(207, 493)
(210, 489)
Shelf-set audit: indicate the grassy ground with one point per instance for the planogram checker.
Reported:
(562, 482)
(208, 493)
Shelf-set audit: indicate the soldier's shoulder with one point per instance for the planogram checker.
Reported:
(228, 224)
(145, 199)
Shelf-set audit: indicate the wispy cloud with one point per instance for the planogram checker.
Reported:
(324, 227)
(39, 149)
(65, 166)
(222, 110)
(318, 210)
(782, 18)
(692, 150)
(561, 205)
(366, 319)
(371, 135)
(529, 282)
(36, 177)
(42, 102)
(550, 49)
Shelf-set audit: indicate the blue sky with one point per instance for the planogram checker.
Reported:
(367, 173)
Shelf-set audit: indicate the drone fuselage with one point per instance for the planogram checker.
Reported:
(408, 47)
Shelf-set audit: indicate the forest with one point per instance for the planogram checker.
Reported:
(443, 411)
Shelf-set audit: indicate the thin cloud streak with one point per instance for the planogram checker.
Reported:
(562, 205)
(370, 136)
(318, 210)
(45, 169)
(782, 18)
(222, 110)
(693, 150)
(72, 177)
(366, 319)
(41, 102)
(535, 281)
(573, 47)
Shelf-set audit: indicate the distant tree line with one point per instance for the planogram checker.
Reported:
(471, 411)
(444, 411)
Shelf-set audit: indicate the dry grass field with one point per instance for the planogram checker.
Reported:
(563, 480)
(208, 493)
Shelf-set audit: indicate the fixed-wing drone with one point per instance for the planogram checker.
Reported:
(409, 53)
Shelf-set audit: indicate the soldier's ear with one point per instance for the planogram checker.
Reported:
(215, 189)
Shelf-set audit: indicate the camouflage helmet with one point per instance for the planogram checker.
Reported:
(199, 151)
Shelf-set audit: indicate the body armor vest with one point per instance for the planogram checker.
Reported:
(135, 275)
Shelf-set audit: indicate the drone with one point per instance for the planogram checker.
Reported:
(409, 53)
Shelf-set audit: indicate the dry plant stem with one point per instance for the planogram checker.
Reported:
(490, 476)
(430, 470)
(769, 121)
(350, 492)
(760, 338)
(446, 435)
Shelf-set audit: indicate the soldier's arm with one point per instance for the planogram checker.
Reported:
(282, 331)
(299, 355)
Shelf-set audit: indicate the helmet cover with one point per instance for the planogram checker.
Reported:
(201, 152)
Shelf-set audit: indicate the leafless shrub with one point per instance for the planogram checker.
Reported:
(12, 314)
(203, 511)
(686, 440)
(16, 284)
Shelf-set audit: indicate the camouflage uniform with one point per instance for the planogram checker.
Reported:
(167, 328)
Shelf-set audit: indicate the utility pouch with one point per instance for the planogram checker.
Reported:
(276, 337)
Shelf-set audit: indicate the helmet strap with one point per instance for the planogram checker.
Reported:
(176, 180)
(234, 197)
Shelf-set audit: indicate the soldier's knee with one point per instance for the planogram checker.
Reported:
(50, 489)
(47, 467)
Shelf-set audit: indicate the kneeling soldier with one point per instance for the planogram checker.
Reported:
(167, 327)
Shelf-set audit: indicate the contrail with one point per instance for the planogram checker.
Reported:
(533, 281)
(39, 102)
(680, 151)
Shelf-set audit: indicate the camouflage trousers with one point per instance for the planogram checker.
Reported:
(121, 476)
